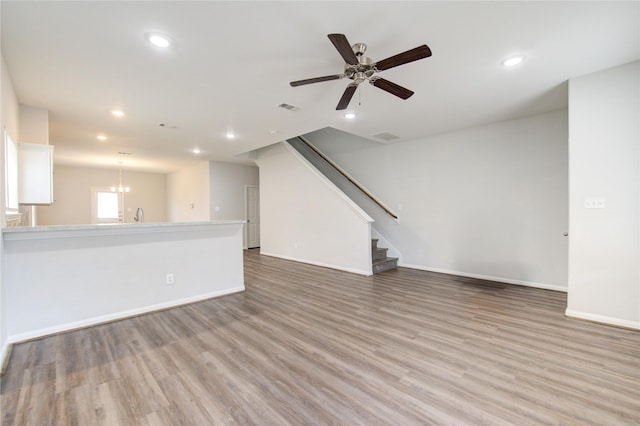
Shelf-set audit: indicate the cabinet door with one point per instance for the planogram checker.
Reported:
(35, 170)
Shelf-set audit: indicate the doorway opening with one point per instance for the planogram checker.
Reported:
(252, 214)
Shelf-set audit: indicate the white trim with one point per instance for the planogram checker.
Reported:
(245, 239)
(11, 174)
(22, 337)
(369, 251)
(488, 278)
(603, 319)
(324, 265)
(5, 353)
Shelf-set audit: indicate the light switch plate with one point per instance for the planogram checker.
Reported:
(594, 203)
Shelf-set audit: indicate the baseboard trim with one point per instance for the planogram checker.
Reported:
(603, 319)
(90, 322)
(324, 265)
(5, 356)
(488, 278)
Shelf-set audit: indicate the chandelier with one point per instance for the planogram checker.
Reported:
(120, 187)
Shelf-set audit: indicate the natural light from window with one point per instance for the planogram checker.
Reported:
(11, 174)
(108, 205)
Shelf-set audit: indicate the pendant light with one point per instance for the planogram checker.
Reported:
(120, 187)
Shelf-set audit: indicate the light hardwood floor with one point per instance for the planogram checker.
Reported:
(308, 345)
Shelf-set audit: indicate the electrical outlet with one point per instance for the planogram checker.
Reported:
(170, 279)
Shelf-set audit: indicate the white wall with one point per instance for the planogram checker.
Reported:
(604, 256)
(188, 194)
(34, 125)
(72, 195)
(384, 223)
(305, 218)
(10, 108)
(227, 182)
(206, 185)
(488, 202)
(215, 189)
(9, 120)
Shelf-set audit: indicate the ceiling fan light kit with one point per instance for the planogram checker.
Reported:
(360, 68)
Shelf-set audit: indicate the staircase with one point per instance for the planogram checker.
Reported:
(381, 262)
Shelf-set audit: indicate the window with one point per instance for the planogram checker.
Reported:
(11, 174)
(106, 206)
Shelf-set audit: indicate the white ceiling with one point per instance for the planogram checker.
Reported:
(231, 64)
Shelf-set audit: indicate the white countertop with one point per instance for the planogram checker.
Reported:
(62, 231)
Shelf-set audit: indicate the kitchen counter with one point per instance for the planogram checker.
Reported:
(59, 278)
(63, 231)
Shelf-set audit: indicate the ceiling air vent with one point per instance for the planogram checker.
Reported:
(289, 107)
(386, 136)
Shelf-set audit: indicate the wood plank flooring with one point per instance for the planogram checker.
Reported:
(314, 346)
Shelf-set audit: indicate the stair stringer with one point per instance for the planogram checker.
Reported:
(290, 245)
(382, 224)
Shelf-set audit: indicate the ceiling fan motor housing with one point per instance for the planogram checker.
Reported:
(364, 69)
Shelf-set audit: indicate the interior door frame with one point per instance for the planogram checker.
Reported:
(246, 214)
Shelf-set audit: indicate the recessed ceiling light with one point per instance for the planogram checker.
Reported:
(158, 40)
(102, 137)
(117, 113)
(350, 115)
(196, 151)
(513, 61)
(231, 135)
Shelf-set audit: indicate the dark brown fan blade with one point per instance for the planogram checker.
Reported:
(316, 80)
(344, 48)
(392, 88)
(346, 96)
(419, 52)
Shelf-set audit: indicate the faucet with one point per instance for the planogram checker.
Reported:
(139, 217)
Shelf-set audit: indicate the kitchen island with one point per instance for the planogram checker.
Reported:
(58, 278)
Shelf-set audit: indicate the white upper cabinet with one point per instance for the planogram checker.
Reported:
(35, 170)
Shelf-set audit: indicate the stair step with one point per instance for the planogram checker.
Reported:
(378, 253)
(374, 243)
(385, 264)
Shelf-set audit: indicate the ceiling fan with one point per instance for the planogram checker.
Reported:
(359, 68)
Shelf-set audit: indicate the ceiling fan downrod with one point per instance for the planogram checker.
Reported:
(364, 69)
